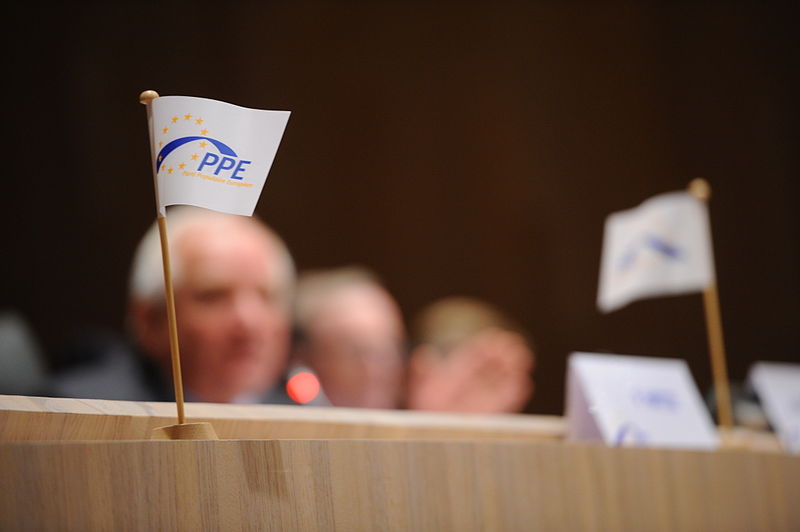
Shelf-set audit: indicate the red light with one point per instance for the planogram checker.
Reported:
(303, 387)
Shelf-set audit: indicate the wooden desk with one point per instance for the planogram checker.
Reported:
(365, 470)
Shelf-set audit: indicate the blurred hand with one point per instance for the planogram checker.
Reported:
(489, 373)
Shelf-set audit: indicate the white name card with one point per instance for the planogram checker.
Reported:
(627, 400)
(778, 388)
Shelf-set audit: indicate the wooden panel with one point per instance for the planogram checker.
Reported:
(365, 470)
(39, 418)
(391, 485)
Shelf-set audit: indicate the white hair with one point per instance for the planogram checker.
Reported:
(314, 287)
(147, 274)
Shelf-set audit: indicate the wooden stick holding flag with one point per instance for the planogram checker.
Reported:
(664, 247)
(700, 189)
(147, 98)
(238, 146)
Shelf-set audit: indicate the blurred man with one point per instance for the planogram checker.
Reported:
(233, 281)
(469, 357)
(350, 334)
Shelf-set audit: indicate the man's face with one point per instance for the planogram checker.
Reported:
(355, 345)
(233, 325)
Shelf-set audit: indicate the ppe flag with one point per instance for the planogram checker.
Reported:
(661, 247)
(212, 154)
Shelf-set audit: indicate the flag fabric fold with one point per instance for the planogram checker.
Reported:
(212, 154)
(662, 247)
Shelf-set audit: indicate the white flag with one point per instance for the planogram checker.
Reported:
(661, 247)
(212, 154)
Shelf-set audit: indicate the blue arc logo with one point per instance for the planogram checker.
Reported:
(171, 146)
(652, 242)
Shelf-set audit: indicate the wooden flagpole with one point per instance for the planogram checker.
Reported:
(146, 98)
(702, 190)
(171, 319)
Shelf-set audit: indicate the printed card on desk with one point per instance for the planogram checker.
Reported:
(778, 388)
(627, 400)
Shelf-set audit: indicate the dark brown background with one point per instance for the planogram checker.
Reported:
(470, 148)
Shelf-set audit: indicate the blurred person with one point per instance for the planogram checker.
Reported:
(350, 334)
(468, 357)
(23, 368)
(233, 282)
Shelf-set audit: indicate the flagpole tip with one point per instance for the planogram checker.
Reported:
(700, 189)
(147, 96)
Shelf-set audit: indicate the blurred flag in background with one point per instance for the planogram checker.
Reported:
(661, 247)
